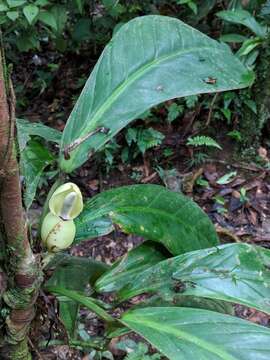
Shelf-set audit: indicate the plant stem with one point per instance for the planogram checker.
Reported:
(22, 267)
(84, 300)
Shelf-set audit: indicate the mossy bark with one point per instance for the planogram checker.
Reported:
(252, 124)
(22, 272)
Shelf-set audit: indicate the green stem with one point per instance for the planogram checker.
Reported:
(83, 300)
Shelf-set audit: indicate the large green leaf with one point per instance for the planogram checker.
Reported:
(26, 129)
(153, 212)
(133, 263)
(149, 60)
(243, 17)
(138, 260)
(33, 160)
(34, 157)
(189, 334)
(237, 273)
(74, 273)
(68, 269)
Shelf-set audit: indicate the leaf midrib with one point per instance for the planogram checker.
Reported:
(129, 81)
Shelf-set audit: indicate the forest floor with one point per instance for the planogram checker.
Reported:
(235, 194)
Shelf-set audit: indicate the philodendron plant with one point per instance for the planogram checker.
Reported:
(190, 279)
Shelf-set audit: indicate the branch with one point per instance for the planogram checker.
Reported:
(82, 139)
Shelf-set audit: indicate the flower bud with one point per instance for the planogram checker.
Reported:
(57, 234)
(66, 202)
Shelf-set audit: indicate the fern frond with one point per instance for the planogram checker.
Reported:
(149, 138)
(203, 141)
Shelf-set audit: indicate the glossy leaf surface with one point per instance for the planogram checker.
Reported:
(153, 212)
(237, 273)
(91, 228)
(149, 60)
(185, 334)
(33, 160)
(26, 129)
(188, 302)
(30, 12)
(133, 263)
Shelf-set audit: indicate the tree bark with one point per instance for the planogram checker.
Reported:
(21, 265)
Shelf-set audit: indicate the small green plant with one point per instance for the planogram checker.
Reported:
(167, 152)
(236, 135)
(174, 110)
(248, 52)
(202, 182)
(190, 3)
(191, 101)
(190, 279)
(202, 140)
(136, 175)
(227, 178)
(199, 157)
(109, 154)
(139, 140)
(220, 204)
(136, 351)
(143, 139)
(25, 23)
(246, 26)
(100, 355)
(243, 195)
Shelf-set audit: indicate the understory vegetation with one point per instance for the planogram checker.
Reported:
(134, 179)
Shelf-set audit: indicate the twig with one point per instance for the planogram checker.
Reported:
(149, 178)
(82, 139)
(223, 231)
(187, 128)
(35, 349)
(238, 166)
(209, 117)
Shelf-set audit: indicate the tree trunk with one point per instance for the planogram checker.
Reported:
(24, 274)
